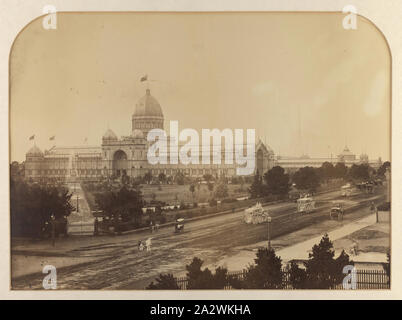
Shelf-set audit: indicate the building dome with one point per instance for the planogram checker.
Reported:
(347, 155)
(109, 135)
(137, 134)
(35, 151)
(148, 106)
(346, 152)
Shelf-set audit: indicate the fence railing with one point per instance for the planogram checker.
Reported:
(365, 279)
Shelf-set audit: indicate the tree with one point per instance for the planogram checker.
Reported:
(256, 188)
(192, 190)
(208, 177)
(179, 178)
(277, 182)
(205, 279)
(32, 206)
(164, 282)
(266, 273)
(126, 204)
(210, 187)
(359, 172)
(306, 179)
(297, 276)
(162, 177)
(221, 190)
(327, 171)
(381, 170)
(322, 270)
(148, 177)
(340, 170)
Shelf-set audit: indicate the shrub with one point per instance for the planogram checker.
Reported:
(386, 206)
(164, 282)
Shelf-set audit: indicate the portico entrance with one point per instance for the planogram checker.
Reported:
(120, 163)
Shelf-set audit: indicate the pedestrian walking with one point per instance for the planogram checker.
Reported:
(140, 246)
(372, 207)
(151, 226)
(148, 244)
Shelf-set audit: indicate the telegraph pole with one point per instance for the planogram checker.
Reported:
(269, 232)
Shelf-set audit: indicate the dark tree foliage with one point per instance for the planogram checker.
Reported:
(306, 179)
(148, 177)
(298, 276)
(340, 170)
(32, 207)
(208, 177)
(124, 203)
(359, 172)
(205, 279)
(256, 188)
(327, 171)
(162, 177)
(322, 270)
(266, 273)
(180, 178)
(164, 282)
(221, 190)
(381, 170)
(277, 181)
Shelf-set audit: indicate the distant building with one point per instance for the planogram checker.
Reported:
(346, 155)
(126, 155)
(291, 164)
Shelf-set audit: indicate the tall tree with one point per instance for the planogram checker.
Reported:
(256, 188)
(32, 206)
(306, 179)
(124, 203)
(162, 177)
(322, 270)
(277, 181)
(221, 190)
(381, 170)
(192, 190)
(148, 177)
(205, 279)
(327, 171)
(265, 273)
(340, 170)
(359, 172)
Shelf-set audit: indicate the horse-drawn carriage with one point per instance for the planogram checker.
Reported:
(305, 205)
(336, 212)
(179, 225)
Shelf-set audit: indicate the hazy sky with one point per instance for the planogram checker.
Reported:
(223, 70)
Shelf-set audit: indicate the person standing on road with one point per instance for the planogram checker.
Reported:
(148, 244)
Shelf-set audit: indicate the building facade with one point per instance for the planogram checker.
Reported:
(127, 155)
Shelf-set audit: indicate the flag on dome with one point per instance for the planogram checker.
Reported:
(52, 137)
(144, 78)
(32, 137)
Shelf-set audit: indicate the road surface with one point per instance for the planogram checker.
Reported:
(114, 262)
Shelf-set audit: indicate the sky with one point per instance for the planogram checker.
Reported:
(303, 82)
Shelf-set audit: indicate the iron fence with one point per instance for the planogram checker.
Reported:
(365, 279)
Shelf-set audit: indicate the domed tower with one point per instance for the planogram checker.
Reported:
(109, 136)
(34, 162)
(147, 115)
(34, 153)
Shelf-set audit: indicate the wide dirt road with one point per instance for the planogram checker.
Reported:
(115, 262)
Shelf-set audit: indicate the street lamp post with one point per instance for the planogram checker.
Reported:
(269, 232)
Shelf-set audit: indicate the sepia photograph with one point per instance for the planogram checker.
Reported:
(200, 151)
